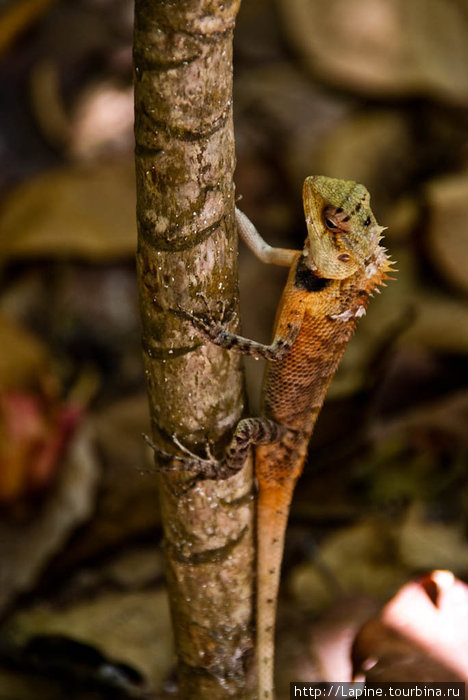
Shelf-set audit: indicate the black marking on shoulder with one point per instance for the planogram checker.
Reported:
(306, 279)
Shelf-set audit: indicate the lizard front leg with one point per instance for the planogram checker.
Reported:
(264, 252)
(217, 333)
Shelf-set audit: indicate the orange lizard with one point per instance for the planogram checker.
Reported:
(326, 293)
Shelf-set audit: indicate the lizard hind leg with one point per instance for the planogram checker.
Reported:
(190, 462)
(249, 432)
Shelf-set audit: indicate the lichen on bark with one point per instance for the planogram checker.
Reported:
(187, 246)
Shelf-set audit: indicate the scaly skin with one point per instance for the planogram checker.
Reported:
(326, 293)
(294, 392)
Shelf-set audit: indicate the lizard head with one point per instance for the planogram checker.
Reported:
(342, 230)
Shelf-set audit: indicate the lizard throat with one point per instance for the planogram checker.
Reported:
(306, 279)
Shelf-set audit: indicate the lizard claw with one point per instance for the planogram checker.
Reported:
(224, 313)
(195, 321)
(159, 451)
(207, 447)
(188, 314)
(191, 462)
(204, 298)
(209, 328)
(209, 452)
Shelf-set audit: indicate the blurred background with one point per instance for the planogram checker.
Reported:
(370, 90)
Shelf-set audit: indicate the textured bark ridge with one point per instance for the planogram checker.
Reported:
(187, 245)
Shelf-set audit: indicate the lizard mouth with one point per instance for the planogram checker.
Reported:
(309, 261)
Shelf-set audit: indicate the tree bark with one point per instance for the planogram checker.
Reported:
(187, 245)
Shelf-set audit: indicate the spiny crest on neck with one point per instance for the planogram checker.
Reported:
(377, 269)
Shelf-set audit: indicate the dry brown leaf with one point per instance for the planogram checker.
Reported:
(441, 323)
(447, 242)
(24, 360)
(298, 114)
(18, 685)
(16, 17)
(384, 47)
(128, 627)
(85, 212)
(26, 546)
(359, 558)
(357, 148)
(128, 497)
(425, 545)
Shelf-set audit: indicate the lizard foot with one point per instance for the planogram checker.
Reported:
(206, 467)
(211, 329)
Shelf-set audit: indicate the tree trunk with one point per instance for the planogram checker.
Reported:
(187, 245)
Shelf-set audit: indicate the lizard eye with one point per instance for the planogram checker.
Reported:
(329, 223)
(344, 257)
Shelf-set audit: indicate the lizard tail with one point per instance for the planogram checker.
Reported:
(272, 518)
